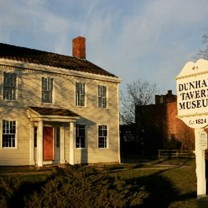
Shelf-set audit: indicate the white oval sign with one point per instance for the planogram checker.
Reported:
(192, 94)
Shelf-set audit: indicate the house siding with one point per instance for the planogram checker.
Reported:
(18, 155)
(29, 94)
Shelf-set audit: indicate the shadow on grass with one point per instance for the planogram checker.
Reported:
(158, 191)
(144, 163)
(154, 190)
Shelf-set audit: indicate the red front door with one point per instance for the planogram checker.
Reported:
(48, 148)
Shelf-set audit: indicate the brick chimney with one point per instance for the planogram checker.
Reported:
(78, 47)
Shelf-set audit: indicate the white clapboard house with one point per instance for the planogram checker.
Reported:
(56, 109)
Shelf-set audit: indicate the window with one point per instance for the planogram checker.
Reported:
(102, 136)
(35, 136)
(9, 134)
(80, 136)
(58, 137)
(80, 94)
(47, 90)
(101, 96)
(9, 86)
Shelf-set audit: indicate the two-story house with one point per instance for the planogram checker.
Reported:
(56, 109)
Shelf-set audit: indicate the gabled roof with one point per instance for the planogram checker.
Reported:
(28, 55)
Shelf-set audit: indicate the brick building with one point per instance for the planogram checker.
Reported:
(174, 128)
(158, 125)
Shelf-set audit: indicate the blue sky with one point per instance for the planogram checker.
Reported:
(134, 39)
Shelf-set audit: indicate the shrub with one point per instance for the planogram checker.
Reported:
(8, 188)
(81, 187)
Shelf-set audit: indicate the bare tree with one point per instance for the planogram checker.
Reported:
(137, 93)
(203, 53)
(135, 96)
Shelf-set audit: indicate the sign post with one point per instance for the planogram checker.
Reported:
(200, 147)
(192, 105)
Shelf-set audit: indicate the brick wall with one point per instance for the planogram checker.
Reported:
(160, 119)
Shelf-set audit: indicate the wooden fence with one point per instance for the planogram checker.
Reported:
(176, 153)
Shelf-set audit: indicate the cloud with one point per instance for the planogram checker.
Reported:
(132, 39)
(153, 41)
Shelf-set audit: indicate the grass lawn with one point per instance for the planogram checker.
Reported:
(149, 184)
(167, 183)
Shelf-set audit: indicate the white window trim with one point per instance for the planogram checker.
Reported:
(75, 94)
(106, 96)
(1, 137)
(16, 89)
(107, 142)
(85, 136)
(41, 90)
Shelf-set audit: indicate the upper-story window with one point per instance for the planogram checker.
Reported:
(47, 90)
(9, 134)
(80, 94)
(102, 98)
(9, 86)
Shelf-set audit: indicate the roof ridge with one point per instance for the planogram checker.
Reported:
(34, 49)
(29, 55)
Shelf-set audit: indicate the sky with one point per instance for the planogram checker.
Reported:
(149, 40)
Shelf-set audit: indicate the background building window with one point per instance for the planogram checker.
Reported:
(80, 94)
(101, 96)
(9, 134)
(9, 86)
(47, 90)
(102, 136)
(80, 136)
